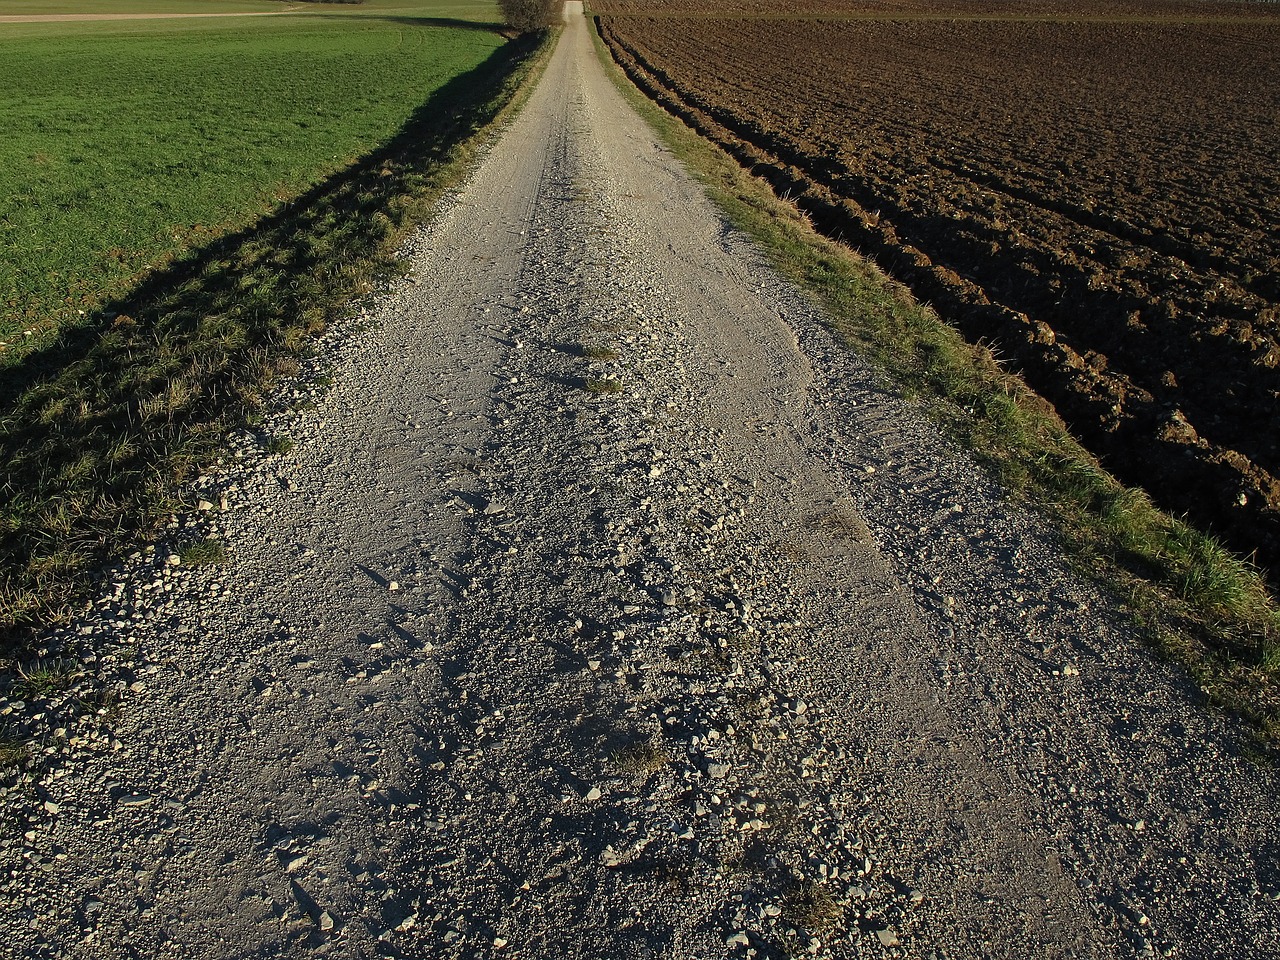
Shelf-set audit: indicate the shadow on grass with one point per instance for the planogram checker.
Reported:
(409, 20)
(97, 429)
(449, 22)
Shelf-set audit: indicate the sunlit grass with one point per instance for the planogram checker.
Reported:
(127, 145)
(106, 414)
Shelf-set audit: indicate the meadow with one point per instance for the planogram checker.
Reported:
(128, 143)
(77, 8)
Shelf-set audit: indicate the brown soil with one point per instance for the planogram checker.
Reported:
(1090, 188)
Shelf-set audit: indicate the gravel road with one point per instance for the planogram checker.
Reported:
(607, 608)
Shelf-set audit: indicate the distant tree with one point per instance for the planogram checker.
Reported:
(529, 15)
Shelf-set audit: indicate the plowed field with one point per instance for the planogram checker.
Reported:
(1090, 188)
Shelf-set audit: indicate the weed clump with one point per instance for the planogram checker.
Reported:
(602, 385)
(812, 906)
(640, 758)
(204, 553)
(600, 353)
(44, 677)
(13, 752)
(278, 445)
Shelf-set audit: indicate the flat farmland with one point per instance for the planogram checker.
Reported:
(1090, 189)
(129, 143)
(37, 10)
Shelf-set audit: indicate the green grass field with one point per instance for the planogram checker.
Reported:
(37, 8)
(479, 11)
(128, 143)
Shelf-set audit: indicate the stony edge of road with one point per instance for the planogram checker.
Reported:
(1192, 599)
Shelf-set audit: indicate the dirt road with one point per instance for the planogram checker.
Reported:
(606, 608)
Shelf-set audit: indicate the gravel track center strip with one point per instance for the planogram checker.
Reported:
(605, 607)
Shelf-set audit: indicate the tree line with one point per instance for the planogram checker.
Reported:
(530, 15)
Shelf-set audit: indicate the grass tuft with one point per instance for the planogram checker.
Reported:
(600, 353)
(45, 677)
(812, 906)
(13, 752)
(602, 385)
(204, 553)
(641, 758)
(278, 445)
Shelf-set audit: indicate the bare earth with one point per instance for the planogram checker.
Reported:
(708, 649)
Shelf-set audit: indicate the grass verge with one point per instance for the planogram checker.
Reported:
(1193, 600)
(201, 553)
(99, 428)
